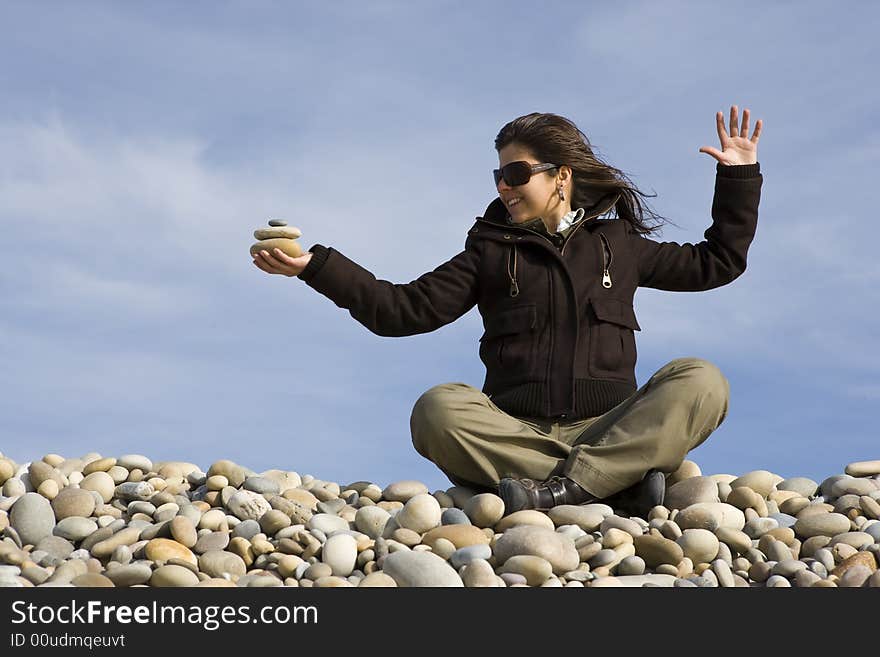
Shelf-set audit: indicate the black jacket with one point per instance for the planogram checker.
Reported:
(559, 322)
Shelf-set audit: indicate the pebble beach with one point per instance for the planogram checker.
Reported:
(127, 521)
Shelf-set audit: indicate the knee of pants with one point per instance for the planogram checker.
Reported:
(432, 413)
(703, 375)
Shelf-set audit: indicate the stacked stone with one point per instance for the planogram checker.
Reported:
(278, 236)
(127, 521)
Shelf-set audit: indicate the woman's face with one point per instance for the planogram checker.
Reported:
(538, 197)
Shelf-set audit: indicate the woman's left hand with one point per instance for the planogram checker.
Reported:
(736, 147)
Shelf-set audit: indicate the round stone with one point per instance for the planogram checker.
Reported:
(587, 517)
(656, 550)
(130, 575)
(277, 222)
(633, 565)
(536, 570)
(215, 520)
(761, 481)
(401, 491)
(699, 545)
(39, 471)
(378, 579)
(863, 468)
(92, 580)
(340, 553)
(371, 520)
(211, 541)
(691, 491)
(285, 244)
(135, 490)
(274, 521)
(484, 510)
(525, 517)
(48, 489)
(327, 523)
(420, 513)
(821, 524)
(288, 232)
(539, 542)
(853, 487)
(71, 502)
(420, 569)
(262, 485)
(218, 563)
(55, 546)
(75, 528)
(453, 516)
(170, 575)
(101, 483)
(135, 462)
(183, 531)
(98, 465)
(803, 486)
(234, 473)
(163, 549)
(464, 556)
(247, 505)
(710, 515)
(104, 548)
(459, 535)
(32, 518)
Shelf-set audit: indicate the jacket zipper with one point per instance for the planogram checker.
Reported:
(607, 259)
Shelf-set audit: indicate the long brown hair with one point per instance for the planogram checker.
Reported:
(553, 138)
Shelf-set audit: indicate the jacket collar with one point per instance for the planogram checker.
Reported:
(496, 212)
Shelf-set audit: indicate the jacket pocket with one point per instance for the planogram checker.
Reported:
(508, 341)
(612, 338)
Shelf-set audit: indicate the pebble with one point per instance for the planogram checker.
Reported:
(402, 491)
(484, 510)
(420, 513)
(699, 545)
(453, 516)
(170, 575)
(217, 563)
(32, 518)
(247, 505)
(419, 569)
(537, 541)
(821, 524)
(75, 529)
(691, 491)
(479, 573)
(340, 552)
(863, 468)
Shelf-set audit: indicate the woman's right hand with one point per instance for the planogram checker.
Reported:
(279, 262)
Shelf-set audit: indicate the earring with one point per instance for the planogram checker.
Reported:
(561, 193)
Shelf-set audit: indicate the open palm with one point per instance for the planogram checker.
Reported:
(736, 147)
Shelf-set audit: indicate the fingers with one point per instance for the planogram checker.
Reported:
(714, 152)
(734, 120)
(744, 130)
(719, 124)
(269, 264)
(758, 126)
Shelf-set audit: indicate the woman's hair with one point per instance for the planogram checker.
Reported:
(553, 138)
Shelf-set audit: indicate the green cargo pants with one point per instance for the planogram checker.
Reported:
(475, 444)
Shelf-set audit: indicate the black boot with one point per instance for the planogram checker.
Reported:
(519, 494)
(639, 499)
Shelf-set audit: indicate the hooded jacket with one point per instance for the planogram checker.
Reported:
(559, 325)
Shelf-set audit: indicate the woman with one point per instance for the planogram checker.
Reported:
(553, 265)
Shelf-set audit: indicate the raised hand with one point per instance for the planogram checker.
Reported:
(736, 147)
(279, 262)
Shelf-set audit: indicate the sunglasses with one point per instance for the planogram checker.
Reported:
(519, 173)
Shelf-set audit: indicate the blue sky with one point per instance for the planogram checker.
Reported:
(142, 143)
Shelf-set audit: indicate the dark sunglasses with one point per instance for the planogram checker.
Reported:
(519, 173)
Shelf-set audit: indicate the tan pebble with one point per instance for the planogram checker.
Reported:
(858, 559)
(242, 547)
(459, 535)
(48, 489)
(99, 465)
(289, 232)
(92, 580)
(183, 531)
(163, 549)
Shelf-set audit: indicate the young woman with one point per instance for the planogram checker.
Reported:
(553, 265)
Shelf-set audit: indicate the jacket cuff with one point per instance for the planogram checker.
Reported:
(738, 170)
(319, 257)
